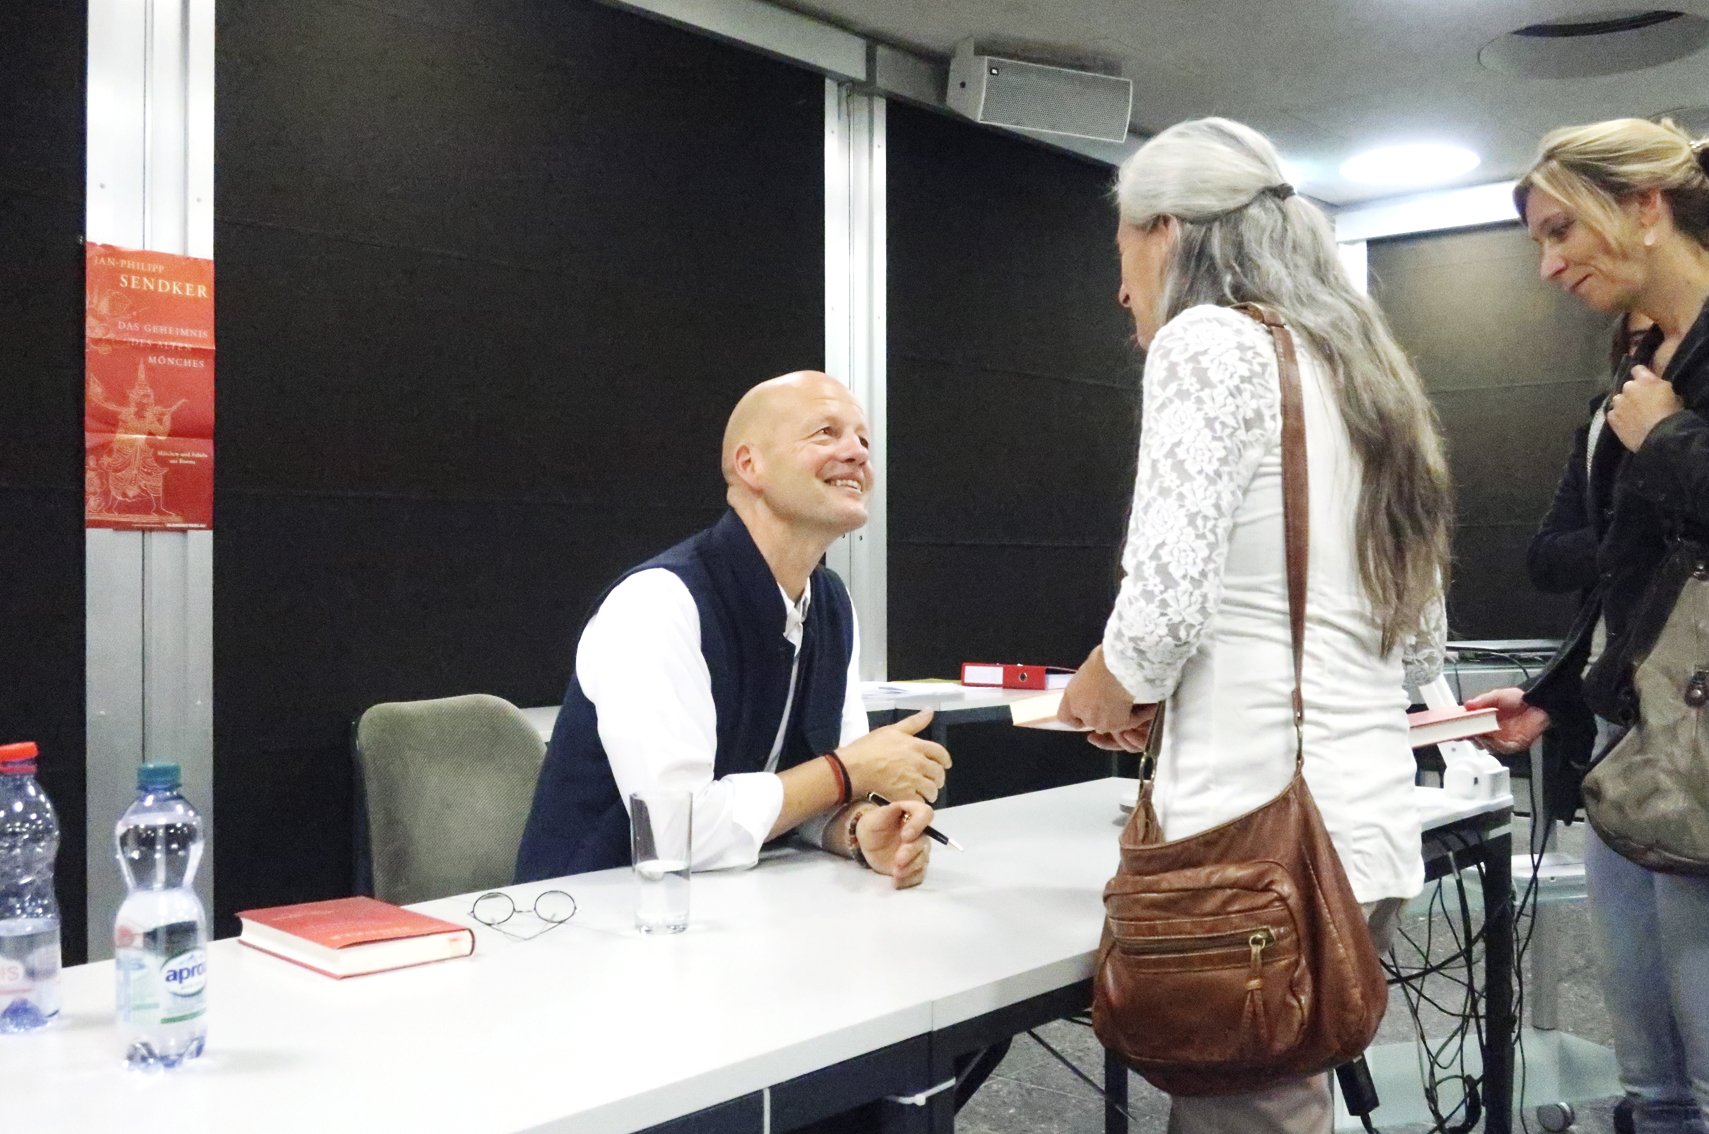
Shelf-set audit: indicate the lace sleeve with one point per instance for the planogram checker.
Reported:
(1423, 654)
(1211, 411)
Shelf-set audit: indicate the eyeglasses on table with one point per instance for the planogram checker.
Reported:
(495, 907)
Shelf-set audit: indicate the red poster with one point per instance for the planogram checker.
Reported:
(148, 422)
(148, 411)
(148, 297)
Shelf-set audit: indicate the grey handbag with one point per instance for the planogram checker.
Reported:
(1648, 795)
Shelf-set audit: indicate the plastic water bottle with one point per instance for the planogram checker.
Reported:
(29, 915)
(160, 936)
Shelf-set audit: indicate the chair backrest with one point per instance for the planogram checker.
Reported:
(448, 784)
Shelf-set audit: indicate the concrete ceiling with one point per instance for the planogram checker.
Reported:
(1323, 78)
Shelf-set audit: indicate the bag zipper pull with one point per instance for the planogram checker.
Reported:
(1697, 689)
(1257, 942)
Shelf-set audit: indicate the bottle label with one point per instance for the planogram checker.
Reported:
(139, 1003)
(14, 978)
(162, 973)
(186, 974)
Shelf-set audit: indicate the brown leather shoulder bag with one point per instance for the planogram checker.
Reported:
(1238, 957)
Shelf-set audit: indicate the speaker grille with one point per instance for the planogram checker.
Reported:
(1034, 97)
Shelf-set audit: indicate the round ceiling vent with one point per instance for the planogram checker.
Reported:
(1608, 43)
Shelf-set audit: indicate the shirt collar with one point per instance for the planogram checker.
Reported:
(795, 613)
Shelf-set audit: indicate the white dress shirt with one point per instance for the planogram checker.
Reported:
(639, 662)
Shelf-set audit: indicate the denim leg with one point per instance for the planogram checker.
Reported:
(1635, 985)
(1682, 909)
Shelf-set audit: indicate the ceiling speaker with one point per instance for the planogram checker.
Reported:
(1034, 96)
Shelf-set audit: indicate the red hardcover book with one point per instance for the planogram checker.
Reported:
(1433, 726)
(347, 937)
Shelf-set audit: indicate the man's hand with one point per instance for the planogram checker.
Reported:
(1518, 724)
(893, 841)
(1094, 699)
(895, 762)
(1643, 402)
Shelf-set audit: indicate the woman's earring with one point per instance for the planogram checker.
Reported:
(1649, 238)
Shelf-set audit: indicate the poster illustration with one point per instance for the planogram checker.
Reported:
(148, 411)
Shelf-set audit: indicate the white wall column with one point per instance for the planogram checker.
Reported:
(855, 336)
(149, 605)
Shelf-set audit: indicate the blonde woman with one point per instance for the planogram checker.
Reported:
(1620, 212)
(1207, 220)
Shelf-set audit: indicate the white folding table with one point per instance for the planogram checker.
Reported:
(802, 987)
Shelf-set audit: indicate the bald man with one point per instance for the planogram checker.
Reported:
(728, 666)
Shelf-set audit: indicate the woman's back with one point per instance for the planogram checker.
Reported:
(1206, 550)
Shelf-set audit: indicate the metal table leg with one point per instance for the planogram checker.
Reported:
(1115, 1093)
(1498, 983)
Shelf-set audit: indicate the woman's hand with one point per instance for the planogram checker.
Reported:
(1518, 724)
(1643, 402)
(892, 841)
(1094, 699)
(1129, 739)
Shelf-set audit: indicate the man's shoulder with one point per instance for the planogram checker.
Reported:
(654, 593)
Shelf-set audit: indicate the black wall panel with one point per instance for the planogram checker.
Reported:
(1511, 364)
(1013, 399)
(43, 52)
(491, 277)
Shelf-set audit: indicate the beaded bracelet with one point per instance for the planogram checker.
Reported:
(855, 852)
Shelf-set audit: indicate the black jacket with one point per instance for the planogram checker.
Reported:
(1562, 555)
(1634, 503)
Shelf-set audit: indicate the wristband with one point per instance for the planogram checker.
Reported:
(844, 788)
(855, 852)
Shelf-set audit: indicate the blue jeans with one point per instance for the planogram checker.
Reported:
(1653, 931)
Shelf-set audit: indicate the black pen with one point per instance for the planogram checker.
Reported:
(933, 832)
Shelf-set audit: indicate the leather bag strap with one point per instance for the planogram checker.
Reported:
(1296, 527)
(1296, 498)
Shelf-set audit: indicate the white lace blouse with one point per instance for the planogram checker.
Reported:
(1202, 617)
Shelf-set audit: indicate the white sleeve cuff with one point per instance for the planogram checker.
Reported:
(733, 816)
(813, 830)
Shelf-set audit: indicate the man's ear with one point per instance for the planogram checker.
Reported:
(748, 466)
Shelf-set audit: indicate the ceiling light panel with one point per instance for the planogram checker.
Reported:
(1415, 164)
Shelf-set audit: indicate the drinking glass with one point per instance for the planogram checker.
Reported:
(661, 826)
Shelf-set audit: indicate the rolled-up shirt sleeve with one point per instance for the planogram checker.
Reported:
(639, 662)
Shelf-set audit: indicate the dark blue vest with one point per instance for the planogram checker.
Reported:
(578, 822)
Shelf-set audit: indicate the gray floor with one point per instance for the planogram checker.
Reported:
(1031, 1093)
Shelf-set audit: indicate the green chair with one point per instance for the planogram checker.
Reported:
(445, 788)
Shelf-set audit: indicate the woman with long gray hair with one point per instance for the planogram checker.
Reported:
(1208, 221)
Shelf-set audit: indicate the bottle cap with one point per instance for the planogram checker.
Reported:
(149, 776)
(18, 759)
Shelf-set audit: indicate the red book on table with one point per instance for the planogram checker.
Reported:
(346, 937)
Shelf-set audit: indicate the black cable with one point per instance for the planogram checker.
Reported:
(1446, 1059)
(1479, 653)
(1079, 1074)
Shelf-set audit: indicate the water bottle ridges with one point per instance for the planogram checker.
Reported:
(29, 914)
